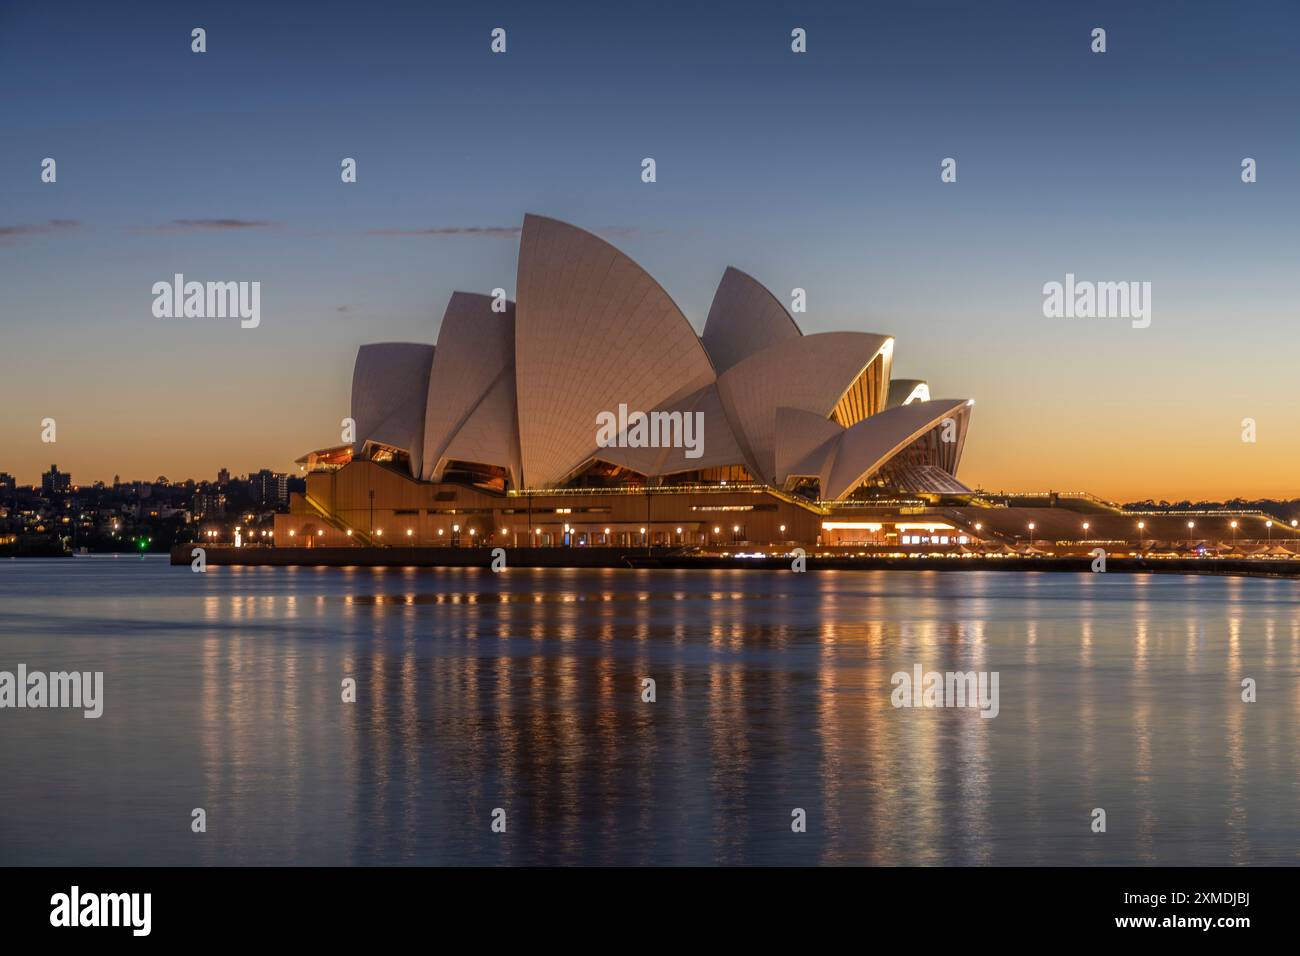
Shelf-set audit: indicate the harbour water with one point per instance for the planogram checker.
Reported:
(523, 692)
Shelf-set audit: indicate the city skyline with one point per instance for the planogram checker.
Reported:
(818, 171)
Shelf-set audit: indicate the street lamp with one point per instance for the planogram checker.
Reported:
(1085, 531)
(1269, 526)
(1233, 525)
(1141, 525)
(1190, 526)
(1031, 534)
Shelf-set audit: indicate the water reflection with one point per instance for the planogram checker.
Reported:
(523, 691)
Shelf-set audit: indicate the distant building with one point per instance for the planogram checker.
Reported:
(223, 477)
(7, 481)
(55, 482)
(269, 488)
(209, 505)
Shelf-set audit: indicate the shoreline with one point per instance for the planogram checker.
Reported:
(673, 559)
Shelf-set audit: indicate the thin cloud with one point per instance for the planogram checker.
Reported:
(497, 232)
(22, 230)
(210, 225)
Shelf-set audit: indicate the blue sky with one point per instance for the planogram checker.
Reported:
(818, 170)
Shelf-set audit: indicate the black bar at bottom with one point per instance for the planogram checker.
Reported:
(672, 906)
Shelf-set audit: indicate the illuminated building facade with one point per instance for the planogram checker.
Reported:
(589, 412)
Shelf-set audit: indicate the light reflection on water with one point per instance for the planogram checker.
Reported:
(522, 690)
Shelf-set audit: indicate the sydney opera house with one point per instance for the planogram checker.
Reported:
(589, 412)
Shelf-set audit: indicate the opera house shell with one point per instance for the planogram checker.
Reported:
(509, 399)
(514, 393)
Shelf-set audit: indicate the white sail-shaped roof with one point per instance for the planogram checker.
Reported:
(475, 352)
(488, 435)
(811, 373)
(718, 447)
(389, 383)
(523, 390)
(745, 318)
(804, 440)
(869, 445)
(592, 330)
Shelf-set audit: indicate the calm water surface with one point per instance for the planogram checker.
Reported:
(522, 690)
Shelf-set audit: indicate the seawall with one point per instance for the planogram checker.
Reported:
(672, 558)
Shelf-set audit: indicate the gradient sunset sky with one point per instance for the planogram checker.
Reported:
(818, 171)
